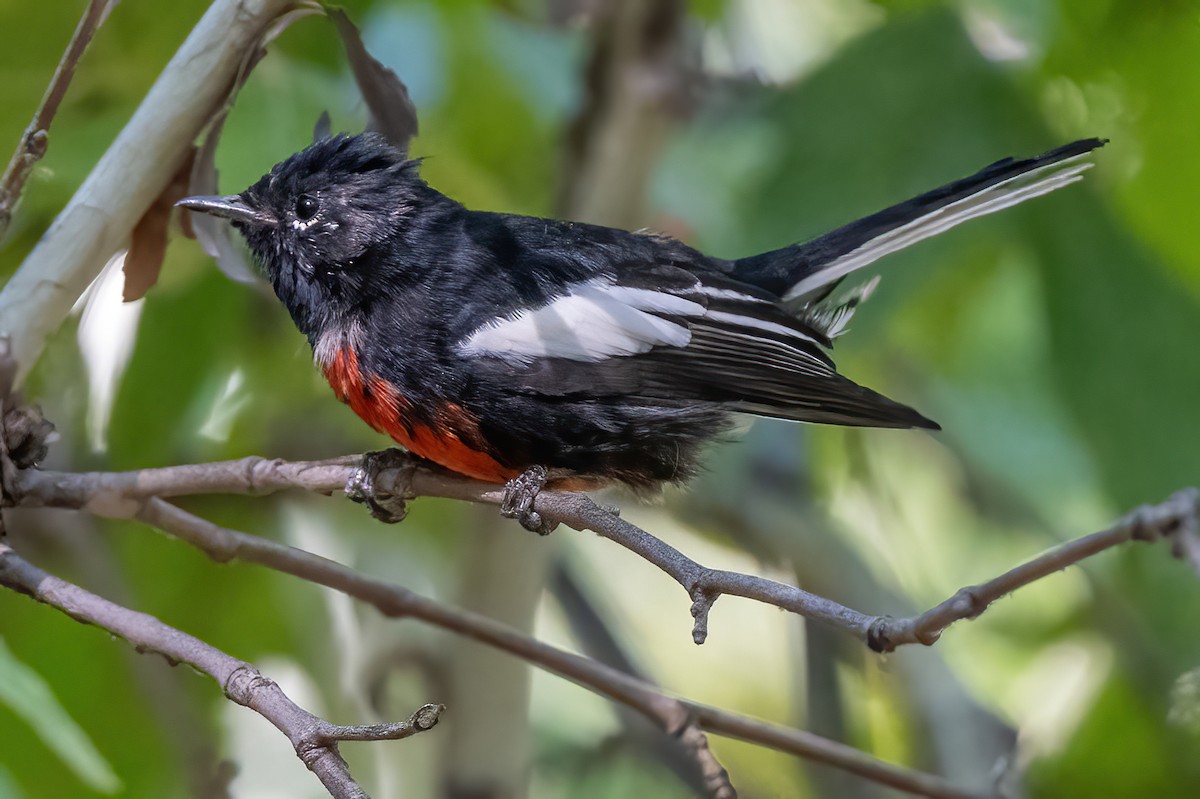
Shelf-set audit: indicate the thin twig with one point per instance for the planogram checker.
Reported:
(314, 739)
(36, 138)
(1175, 518)
(425, 718)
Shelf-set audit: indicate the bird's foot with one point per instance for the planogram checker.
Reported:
(519, 494)
(363, 485)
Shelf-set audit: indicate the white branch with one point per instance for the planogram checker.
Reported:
(130, 175)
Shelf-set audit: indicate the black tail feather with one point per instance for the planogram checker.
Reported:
(780, 270)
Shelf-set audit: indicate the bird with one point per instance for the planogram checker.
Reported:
(527, 351)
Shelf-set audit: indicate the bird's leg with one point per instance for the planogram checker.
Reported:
(362, 486)
(519, 494)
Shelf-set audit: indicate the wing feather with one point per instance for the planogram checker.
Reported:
(664, 335)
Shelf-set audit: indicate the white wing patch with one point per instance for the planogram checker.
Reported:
(596, 320)
(599, 319)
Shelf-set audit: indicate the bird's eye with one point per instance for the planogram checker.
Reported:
(306, 207)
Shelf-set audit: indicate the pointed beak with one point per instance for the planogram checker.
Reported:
(232, 207)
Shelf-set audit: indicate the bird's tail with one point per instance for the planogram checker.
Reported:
(808, 270)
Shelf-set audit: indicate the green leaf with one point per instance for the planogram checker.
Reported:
(29, 696)
(1121, 328)
(8, 786)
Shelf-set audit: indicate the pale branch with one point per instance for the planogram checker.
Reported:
(314, 739)
(119, 494)
(36, 138)
(1177, 519)
(131, 174)
(670, 714)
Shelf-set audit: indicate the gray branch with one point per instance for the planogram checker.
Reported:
(672, 715)
(121, 495)
(314, 739)
(126, 495)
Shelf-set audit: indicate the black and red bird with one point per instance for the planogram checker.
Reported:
(495, 344)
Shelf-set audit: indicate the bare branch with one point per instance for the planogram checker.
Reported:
(139, 495)
(119, 494)
(702, 584)
(670, 714)
(36, 138)
(131, 174)
(314, 739)
(1175, 519)
(831, 753)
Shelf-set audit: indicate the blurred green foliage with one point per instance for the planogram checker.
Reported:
(1054, 342)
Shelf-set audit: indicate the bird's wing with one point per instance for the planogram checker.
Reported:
(666, 334)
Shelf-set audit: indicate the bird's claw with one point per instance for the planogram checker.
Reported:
(386, 506)
(519, 494)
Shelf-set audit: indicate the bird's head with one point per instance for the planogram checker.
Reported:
(315, 220)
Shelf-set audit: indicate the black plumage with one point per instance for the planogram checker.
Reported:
(492, 342)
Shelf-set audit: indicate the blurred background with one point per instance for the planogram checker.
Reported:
(1056, 344)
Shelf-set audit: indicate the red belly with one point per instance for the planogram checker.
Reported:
(380, 405)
